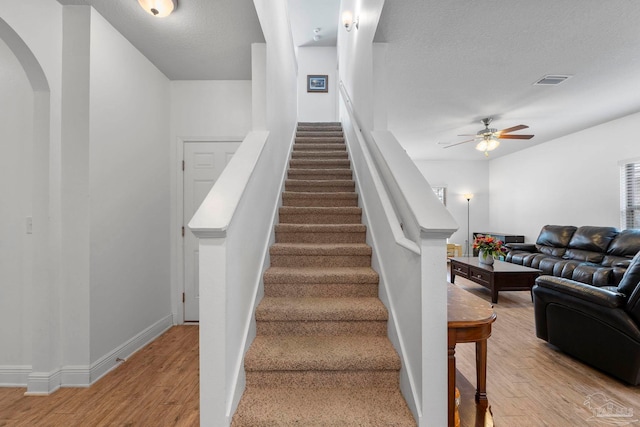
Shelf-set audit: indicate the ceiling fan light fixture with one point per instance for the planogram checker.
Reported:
(158, 8)
(488, 143)
(493, 143)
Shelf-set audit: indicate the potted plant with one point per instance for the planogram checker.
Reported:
(489, 248)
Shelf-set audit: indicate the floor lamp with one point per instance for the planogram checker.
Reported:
(468, 196)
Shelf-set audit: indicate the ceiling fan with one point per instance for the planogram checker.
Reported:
(489, 138)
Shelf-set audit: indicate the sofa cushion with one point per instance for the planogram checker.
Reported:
(595, 239)
(590, 243)
(593, 274)
(626, 244)
(554, 239)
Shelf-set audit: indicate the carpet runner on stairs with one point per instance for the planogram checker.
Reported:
(321, 356)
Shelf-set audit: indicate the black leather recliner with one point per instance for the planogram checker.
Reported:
(598, 325)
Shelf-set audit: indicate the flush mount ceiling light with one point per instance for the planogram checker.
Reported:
(158, 8)
(348, 21)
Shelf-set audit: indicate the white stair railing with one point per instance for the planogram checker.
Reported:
(407, 228)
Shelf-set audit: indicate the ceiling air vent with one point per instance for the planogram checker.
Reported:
(551, 80)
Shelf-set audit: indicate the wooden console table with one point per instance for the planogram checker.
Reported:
(469, 319)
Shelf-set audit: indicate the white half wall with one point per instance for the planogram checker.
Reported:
(573, 180)
(462, 177)
(318, 106)
(129, 167)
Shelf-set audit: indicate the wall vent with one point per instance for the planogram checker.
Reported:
(552, 79)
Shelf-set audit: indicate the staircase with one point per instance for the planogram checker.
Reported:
(321, 356)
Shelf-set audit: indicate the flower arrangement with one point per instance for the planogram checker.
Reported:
(489, 246)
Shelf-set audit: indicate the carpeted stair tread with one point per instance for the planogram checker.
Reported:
(322, 249)
(316, 133)
(320, 124)
(315, 199)
(320, 164)
(320, 215)
(320, 147)
(321, 233)
(319, 140)
(322, 228)
(315, 275)
(327, 154)
(322, 210)
(315, 407)
(310, 309)
(330, 353)
(319, 174)
(322, 186)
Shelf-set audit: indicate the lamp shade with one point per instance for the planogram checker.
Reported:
(158, 8)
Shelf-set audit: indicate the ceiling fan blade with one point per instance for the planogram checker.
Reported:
(468, 134)
(513, 129)
(515, 136)
(458, 143)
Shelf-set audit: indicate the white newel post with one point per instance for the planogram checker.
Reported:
(434, 327)
(213, 337)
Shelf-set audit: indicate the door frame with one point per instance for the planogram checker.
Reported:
(179, 289)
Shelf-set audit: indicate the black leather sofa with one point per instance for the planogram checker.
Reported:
(598, 325)
(597, 256)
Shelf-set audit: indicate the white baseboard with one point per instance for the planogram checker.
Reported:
(109, 361)
(14, 375)
(44, 383)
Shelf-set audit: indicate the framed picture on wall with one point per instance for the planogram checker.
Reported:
(317, 83)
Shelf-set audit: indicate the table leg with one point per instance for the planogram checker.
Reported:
(451, 403)
(481, 371)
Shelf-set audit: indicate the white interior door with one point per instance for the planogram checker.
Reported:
(203, 164)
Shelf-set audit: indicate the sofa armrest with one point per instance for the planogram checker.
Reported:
(527, 247)
(602, 297)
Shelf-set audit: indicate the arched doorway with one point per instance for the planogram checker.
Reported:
(25, 229)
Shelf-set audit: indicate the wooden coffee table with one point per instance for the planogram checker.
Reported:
(501, 276)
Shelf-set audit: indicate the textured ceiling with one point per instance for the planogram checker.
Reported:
(451, 63)
(200, 40)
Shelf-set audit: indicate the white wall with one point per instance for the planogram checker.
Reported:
(462, 177)
(319, 106)
(210, 108)
(33, 30)
(16, 145)
(574, 180)
(129, 166)
(355, 57)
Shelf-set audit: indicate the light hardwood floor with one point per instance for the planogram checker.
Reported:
(157, 386)
(529, 383)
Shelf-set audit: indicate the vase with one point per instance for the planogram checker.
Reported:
(485, 258)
